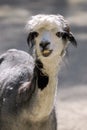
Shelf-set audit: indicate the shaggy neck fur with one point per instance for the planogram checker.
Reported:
(43, 100)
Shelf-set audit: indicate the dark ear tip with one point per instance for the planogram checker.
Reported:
(28, 40)
(75, 43)
(73, 40)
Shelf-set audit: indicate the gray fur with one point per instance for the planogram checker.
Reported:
(14, 72)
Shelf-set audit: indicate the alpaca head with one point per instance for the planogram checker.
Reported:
(48, 36)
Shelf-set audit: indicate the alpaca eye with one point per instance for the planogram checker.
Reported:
(58, 34)
(33, 35)
(64, 35)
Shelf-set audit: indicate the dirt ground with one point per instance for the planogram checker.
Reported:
(72, 89)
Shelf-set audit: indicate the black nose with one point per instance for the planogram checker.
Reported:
(44, 44)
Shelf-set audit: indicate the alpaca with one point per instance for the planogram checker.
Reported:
(28, 82)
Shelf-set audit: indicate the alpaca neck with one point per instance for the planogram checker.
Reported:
(43, 99)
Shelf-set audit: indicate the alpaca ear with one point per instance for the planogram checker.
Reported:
(30, 38)
(69, 35)
(72, 39)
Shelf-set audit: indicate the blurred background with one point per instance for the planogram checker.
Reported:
(72, 89)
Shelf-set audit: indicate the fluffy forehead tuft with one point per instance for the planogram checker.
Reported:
(46, 21)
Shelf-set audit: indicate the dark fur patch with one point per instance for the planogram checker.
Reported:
(42, 79)
(72, 40)
(30, 38)
(1, 60)
(67, 36)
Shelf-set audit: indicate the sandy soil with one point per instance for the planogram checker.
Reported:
(72, 108)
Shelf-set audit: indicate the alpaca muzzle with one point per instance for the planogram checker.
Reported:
(44, 45)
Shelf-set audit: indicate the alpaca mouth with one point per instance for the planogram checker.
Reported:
(46, 52)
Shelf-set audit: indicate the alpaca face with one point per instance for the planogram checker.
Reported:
(48, 44)
(49, 36)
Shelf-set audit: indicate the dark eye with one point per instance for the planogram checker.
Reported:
(64, 35)
(33, 35)
(59, 34)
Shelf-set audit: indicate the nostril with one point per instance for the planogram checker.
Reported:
(44, 44)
